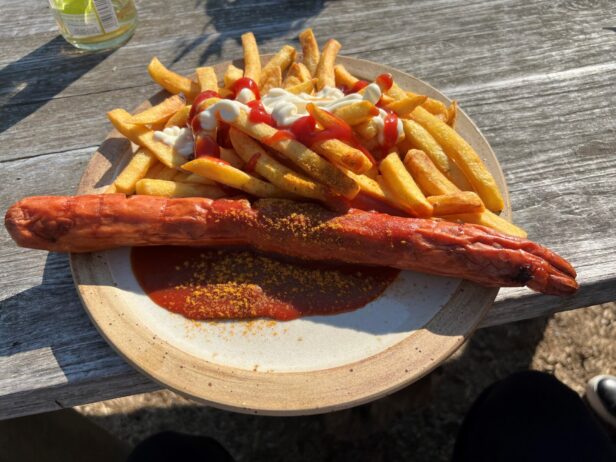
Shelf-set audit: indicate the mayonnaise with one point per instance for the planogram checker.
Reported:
(286, 107)
(228, 110)
(181, 139)
(245, 96)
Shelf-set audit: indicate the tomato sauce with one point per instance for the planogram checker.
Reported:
(206, 146)
(237, 283)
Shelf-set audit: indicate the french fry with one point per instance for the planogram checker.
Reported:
(452, 113)
(207, 79)
(180, 118)
(420, 138)
(174, 189)
(154, 170)
(194, 178)
(464, 156)
(398, 93)
(357, 113)
(367, 130)
(403, 107)
(252, 59)
(144, 137)
(325, 69)
(223, 173)
(374, 189)
(111, 189)
(300, 155)
(304, 87)
(434, 106)
(273, 171)
(172, 82)
(403, 186)
(343, 77)
(459, 202)
(230, 156)
(296, 74)
(167, 174)
(282, 59)
(336, 150)
(310, 51)
(270, 78)
(232, 75)
(158, 113)
(429, 178)
(489, 219)
(135, 170)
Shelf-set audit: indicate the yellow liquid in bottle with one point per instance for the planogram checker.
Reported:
(95, 24)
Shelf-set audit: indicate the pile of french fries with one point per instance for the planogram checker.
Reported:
(431, 171)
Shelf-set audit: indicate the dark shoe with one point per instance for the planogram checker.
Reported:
(601, 395)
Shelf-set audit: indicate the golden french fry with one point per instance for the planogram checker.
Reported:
(168, 188)
(282, 59)
(158, 113)
(459, 202)
(111, 189)
(223, 173)
(180, 118)
(374, 189)
(225, 93)
(207, 79)
(135, 170)
(232, 75)
(325, 69)
(403, 107)
(252, 59)
(290, 81)
(194, 178)
(434, 106)
(367, 130)
(230, 156)
(300, 155)
(343, 77)
(402, 185)
(452, 113)
(154, 170)
(429, 178)
(398, 93)
(304, 87)
(357, 113)
(172, 82)
(144, 137)
(420, 138)
(464, 156)
(489, 219)
(310, 51)
(296, 74)
(270, 78)
(167, 174)
(253, 154)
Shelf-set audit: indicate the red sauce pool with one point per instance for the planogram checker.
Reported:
(236, 283)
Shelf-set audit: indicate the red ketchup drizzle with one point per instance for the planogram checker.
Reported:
(390, 131)
(258, 114)
(252, 162)
(201, 97)
(280, 135)
(246, 82)
(205, 146)
(358, 86)
(222, 135)
(384, 81)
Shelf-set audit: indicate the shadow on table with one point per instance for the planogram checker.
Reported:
(231, 18)
(418, 423)
(31, 81)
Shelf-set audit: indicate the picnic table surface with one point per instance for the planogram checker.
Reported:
(538, 78)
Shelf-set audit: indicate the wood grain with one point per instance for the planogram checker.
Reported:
(535, 76)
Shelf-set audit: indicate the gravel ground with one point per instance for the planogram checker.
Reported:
(418, 423)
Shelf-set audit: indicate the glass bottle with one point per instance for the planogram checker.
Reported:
(95, 24)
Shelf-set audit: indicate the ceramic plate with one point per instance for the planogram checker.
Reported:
(309, 365)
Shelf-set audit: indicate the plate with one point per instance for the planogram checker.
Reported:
(305, 366)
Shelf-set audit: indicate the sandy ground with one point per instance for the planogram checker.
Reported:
(418, 423)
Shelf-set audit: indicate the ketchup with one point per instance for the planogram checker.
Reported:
(280, 135)
(222, 135)
(206, 146)
(246, 82)
(194, 109)
(384, 81)
(358, 86)
(252, 162)
(258, 114)
(390, 131)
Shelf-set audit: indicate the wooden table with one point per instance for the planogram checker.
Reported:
(539, 79)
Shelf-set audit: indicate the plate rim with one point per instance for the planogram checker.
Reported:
(282, 393)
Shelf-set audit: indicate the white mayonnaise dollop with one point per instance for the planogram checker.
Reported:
(181, 139)
(228, 110)
(286, 107)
